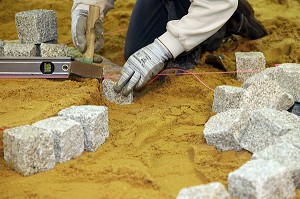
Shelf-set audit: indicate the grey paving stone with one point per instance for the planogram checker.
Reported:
(290, 80)
(249, 61)
(2, 48)
(63, 50)
(53, 50)
(111, 95)
(261, 179)
(67, 135)
(19, 50)
(292, 137)
(273, 73)
(28, 149)
(222, 129)
(36, 26)
(286, 154)
(265, 127)
(94, 120)
(266, 93)
(214, 190)
(287, 76)
(226, 98)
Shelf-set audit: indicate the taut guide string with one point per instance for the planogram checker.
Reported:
(186, 72)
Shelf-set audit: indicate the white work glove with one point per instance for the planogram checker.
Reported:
(142, 66)
(79, 17)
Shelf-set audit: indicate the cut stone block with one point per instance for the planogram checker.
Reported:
(36, 26)
(38, 49)
(111, 95)
(53, 50)
(28, 149)
(286, 75)
(94, 120)
(226, 98)
(286, 154)
(2, 48)
(214, 190)
(261, 179)
(19, 50)
(292, 137)
(266, 93)
(67, 135)
(273, 73)
(222, 129)
(249, 61)
(290, 79)
(265, 127)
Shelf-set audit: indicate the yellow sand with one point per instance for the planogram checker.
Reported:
(156, 145)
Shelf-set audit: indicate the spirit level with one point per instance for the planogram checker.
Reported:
(41, 67)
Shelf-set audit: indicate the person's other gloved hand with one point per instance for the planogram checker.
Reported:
(79, 17)
(142, 66)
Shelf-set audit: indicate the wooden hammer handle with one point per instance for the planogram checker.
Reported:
(94, 14)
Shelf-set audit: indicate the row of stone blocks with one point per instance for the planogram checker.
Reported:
(37, 32)
(30, 149)
(33, 50)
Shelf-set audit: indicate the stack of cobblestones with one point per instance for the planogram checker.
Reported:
(255, 117)
(37, 32)
(34, 148)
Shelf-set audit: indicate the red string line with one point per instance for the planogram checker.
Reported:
(186, 72)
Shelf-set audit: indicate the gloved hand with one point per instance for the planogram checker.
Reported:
(79, 17)
(142, 66)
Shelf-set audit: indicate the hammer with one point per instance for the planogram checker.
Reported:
(94, 14)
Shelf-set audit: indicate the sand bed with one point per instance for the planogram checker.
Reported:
(156, 145)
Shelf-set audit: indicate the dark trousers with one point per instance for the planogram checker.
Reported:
(149, 19)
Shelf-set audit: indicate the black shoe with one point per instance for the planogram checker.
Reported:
(187, 60)
(242, 23)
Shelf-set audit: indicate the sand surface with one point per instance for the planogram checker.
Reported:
(156, 145)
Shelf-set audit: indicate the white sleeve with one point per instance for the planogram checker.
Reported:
(105, 5)
(204, 18)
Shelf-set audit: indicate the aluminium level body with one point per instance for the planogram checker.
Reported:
(35, 67)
